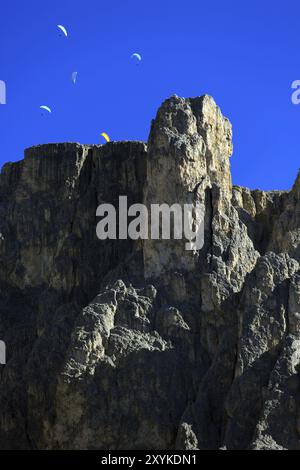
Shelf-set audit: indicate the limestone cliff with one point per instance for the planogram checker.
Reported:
(122, 344)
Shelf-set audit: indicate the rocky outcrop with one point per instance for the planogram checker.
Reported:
(188, 152)
(141, 344)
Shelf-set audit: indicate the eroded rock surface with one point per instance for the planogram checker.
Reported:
(122, 344)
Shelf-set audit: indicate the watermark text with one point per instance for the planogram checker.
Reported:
(2, 92)
(161, 222)
(2, 353)
(296, 94)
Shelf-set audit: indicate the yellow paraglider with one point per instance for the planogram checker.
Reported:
(106, 137)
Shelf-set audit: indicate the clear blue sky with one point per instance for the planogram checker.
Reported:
(243, 53)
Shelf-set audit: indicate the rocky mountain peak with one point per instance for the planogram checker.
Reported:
(142, 344)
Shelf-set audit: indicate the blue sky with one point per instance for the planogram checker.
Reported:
(244, 54)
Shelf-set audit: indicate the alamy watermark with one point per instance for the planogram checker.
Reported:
(296, 94)
(2, 353)
(2, 92)
(161, 222)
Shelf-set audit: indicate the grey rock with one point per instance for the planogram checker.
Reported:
(122, 344)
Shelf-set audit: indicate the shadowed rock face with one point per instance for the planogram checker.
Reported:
(122, 344)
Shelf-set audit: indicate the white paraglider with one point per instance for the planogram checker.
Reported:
(46, 108)
(74, 77)
(136, 57)
(63, 29)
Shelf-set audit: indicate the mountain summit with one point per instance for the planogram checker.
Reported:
(140, 344)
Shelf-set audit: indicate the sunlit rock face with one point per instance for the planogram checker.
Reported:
(143, 344)
(188, 152)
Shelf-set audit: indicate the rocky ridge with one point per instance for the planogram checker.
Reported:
(122, 344)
